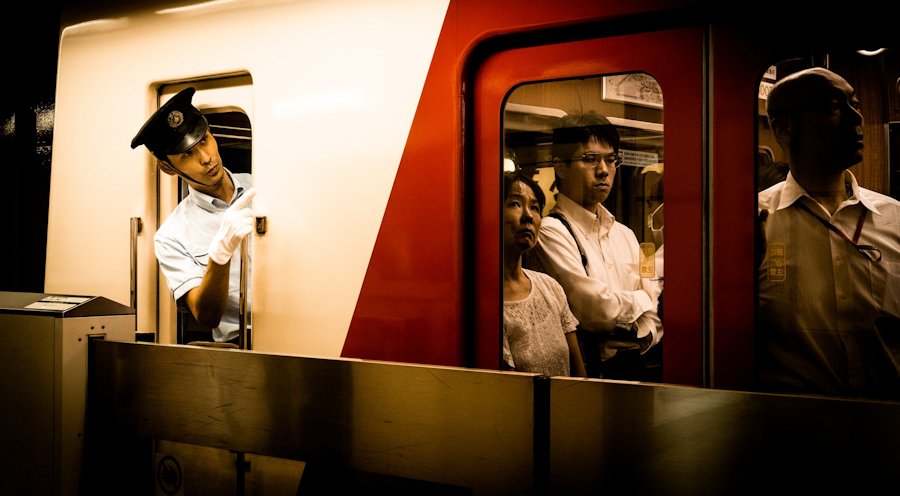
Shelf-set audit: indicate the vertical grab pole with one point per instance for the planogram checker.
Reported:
(242, 312)
(136, 227)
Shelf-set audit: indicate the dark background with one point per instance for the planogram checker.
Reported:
(27, 89)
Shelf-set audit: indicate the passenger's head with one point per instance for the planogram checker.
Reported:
(585, 157)
(815, 117)
(523, 202)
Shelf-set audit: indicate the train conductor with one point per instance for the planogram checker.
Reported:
(198, 241)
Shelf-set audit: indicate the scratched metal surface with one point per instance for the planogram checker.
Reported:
(663, 439)
(465, 428)
(481, 431)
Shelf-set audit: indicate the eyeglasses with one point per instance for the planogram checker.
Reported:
(592, 160)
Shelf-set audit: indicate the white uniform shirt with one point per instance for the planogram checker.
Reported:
(819, 295)
(182, 249)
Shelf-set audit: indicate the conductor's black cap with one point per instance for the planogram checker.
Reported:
(173, 128)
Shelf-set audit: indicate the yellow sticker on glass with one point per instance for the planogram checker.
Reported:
(776, 268)
(648, 260)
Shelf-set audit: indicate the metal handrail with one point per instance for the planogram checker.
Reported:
(136, 227)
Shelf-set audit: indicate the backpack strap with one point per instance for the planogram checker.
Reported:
(557, 215)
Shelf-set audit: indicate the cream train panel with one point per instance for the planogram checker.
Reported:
(334, 93)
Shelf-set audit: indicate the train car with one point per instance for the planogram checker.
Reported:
(377, 132)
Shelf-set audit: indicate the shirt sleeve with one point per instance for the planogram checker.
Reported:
(594, 303)
(182, 269)
(649, 323)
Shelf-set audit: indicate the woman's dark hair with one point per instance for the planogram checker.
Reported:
(511, 177)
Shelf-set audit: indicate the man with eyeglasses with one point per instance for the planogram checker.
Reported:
(595, 258)
(830, 252)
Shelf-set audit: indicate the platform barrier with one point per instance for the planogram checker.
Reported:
(672, 440)
(172, 419)
(43, 369)
(351, 422)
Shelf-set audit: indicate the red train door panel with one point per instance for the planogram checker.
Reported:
(673, 60)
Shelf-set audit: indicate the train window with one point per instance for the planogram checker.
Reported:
(227, 105)
(633, 105)
(828, 287)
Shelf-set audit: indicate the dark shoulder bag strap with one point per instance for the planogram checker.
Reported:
(557, 215)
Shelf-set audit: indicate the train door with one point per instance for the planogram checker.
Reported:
(650, 85)
(227, 104)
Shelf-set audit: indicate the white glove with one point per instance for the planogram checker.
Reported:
(237, 223)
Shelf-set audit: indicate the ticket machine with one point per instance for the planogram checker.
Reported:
(43, 376)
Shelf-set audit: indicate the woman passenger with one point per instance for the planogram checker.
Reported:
(538, 327)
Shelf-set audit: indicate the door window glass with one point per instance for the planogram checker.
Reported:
(633, 104)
